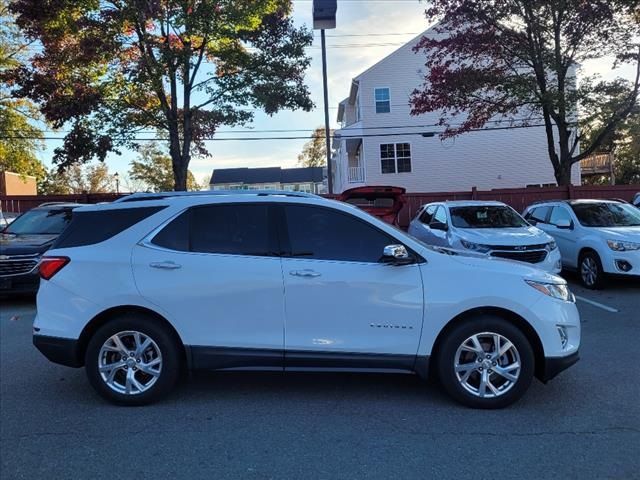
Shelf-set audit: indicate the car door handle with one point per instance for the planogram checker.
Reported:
(304, 273)
(165, 265)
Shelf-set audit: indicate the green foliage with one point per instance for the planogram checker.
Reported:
(19, 138)
(183, 69)
(94, 178)
(153, 169)
(314, 152)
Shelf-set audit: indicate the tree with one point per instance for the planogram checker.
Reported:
(77, 178)
(314, 152)
(181, 68)
(20, 140)
(153, 169)
(500, 58)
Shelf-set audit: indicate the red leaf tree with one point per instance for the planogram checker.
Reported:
(493, 60)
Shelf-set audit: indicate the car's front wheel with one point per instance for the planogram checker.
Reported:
(486, 362)
(591, 272)
(132, 360)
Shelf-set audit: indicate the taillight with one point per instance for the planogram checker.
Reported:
(49, 266)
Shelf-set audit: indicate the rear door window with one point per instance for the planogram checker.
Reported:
(225, 229)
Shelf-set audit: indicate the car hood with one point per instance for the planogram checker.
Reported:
(11, 244)
(504, 236)
(500, 265)
(625, 234)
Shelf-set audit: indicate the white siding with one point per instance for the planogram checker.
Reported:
(488, 159)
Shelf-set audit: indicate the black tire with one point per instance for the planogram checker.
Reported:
(591, 260)
(446, 359)
(169, 348)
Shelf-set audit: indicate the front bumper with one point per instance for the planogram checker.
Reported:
(613, 263)
(59, 350)
(554, 365)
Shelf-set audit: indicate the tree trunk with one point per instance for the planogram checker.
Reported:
(563, 173)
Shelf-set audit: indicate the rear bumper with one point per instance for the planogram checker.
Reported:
(58, 350)
(554, 365)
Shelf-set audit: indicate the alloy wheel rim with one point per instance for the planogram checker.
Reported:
(487, 365)
(130, 362)
(589, 271)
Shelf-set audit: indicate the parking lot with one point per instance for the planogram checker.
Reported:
(585, 423)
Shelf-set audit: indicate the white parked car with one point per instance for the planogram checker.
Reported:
(137, 289)
(490, 228)
(595, 237)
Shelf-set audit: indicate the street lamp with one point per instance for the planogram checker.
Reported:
(324, 17)
(117, 177)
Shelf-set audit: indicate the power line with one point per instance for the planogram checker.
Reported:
(311, 130)
(250, 139)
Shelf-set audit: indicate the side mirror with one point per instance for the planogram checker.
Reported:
(438, 226)
(564, 224)
(396, 255)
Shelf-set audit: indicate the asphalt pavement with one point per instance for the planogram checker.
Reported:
(583, 424)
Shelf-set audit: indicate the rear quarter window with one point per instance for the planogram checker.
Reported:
(89, 228)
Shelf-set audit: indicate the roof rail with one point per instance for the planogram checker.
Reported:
(49, 204)
(537, 202)
(134, 197)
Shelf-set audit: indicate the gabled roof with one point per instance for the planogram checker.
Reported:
(266, 175)
(429, 31)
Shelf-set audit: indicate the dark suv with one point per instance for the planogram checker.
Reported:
(23, 242)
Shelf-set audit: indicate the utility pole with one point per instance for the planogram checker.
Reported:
(327, 128)
(324, 17)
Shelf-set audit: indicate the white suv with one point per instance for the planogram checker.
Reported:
(135, 290)
(490, 228)
(595, 237)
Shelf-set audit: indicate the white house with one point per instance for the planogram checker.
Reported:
(380, 143)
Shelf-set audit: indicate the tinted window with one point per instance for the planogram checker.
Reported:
(538, 214)
(325, 234)
(232, 229)
(558, 214)
(88, 228)
(606, 214)
(41, 221)
(427, 215)
(175, 236)
(440, 216)
(486, 217)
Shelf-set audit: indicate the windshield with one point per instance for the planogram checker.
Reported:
(607, 214)
(40, 222)
(493, 216)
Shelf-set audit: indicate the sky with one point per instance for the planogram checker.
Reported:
(367, 31)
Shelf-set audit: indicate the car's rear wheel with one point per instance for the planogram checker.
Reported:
(591, 272)
(486, 362)
(133, 360)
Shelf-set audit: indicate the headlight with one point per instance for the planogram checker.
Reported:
(552, 245)
(555, 290)
(622, 246)
(476, 247)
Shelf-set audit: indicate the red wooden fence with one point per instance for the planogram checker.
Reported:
(518, 198)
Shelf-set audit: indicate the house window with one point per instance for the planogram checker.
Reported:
(395, 157)
(305, 187)
(357, 105)
(383, 100)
